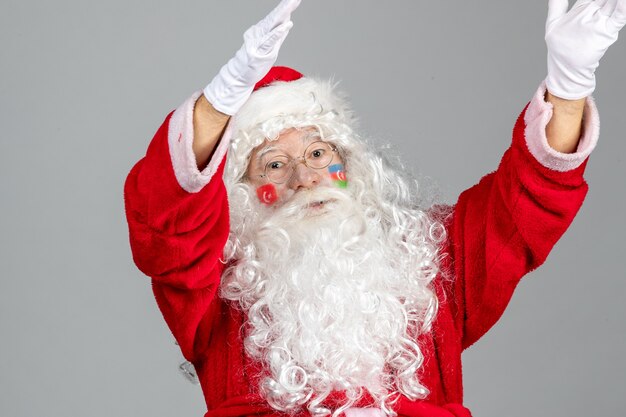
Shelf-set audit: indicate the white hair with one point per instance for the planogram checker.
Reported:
(334, 302)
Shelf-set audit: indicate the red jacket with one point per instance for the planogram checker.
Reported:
(499, 230)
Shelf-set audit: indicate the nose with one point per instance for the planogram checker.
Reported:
(304, 177)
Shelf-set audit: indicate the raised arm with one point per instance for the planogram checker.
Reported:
(564, 128)
(234, 83)
(176, 202)
(208, 127)
(506, 225)
(576, 39)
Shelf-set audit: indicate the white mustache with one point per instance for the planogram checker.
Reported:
(302, 200)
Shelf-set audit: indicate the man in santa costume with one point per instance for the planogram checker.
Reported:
(294, 266)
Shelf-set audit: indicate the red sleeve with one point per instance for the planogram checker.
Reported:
(177, 238)
(504, 227)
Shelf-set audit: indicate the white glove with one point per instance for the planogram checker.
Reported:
(232, 86)
(576, 42)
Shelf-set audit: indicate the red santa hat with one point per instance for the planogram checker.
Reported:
(283, 99)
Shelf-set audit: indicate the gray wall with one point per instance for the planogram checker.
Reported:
(84, 86)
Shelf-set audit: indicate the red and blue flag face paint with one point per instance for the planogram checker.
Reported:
(267, 194)
(338, 175)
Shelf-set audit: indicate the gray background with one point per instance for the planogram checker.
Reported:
(84, 86)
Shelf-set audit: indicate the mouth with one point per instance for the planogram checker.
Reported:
(318, 205)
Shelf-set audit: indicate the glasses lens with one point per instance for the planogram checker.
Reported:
(278, 169)
(318, 155)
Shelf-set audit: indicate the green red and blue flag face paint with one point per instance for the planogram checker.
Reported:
(338, 175)
(267, 194)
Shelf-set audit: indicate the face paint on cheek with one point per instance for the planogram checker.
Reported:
(267, 194)
(338, 175)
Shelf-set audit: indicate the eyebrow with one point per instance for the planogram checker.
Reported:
(309, 135)
(304, 138)
(265, 151)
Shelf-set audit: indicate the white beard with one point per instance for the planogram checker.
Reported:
(331, 304)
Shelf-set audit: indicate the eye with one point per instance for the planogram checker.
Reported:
(275, 165)
(317, 153)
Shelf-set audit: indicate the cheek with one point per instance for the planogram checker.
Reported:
(337, 175)
(267, 194)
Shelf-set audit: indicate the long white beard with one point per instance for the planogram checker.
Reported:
(331, 304)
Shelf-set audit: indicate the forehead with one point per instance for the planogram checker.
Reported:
(290, 141)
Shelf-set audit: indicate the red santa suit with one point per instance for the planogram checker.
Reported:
(498, 230)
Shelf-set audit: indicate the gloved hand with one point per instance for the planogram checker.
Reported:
(576, 42)
(232, 86)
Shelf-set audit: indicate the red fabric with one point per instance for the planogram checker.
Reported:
(278, 74)
(498, 230)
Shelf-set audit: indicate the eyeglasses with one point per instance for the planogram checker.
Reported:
(317, 155)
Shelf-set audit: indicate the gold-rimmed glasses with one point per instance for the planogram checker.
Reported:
(317, 155)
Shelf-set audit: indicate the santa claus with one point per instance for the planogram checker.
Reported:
(294, 265)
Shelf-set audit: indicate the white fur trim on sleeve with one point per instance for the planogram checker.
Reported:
(180, 141)
(364, 412)
(538, 114)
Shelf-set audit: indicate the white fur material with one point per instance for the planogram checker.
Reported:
(364, 412)
(301, 96)
(538, 115)
(307, 283)
(180, 140)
